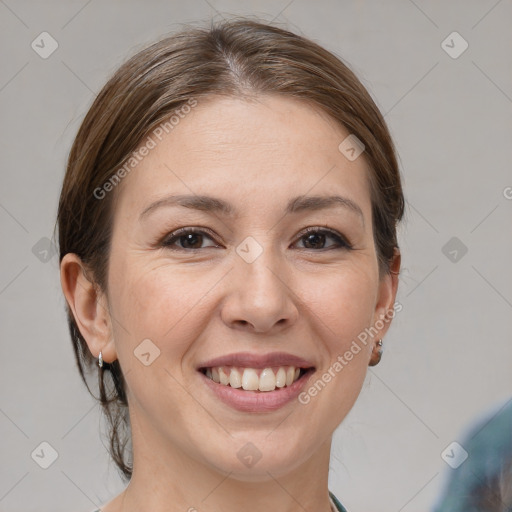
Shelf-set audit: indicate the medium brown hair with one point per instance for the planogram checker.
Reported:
(236, 58)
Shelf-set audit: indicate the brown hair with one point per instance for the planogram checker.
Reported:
(235, 58)
(493, 493)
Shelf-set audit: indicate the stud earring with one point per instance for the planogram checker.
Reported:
(100, 360)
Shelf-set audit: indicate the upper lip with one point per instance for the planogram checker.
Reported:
(248, 360)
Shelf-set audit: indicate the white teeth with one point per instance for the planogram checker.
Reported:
(251, 379)
(290, 373)
(281, 377)
(235, 380)
(224, 377)
(267, 380)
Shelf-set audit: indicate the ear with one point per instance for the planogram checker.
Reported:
(384, 309)
(89, 307)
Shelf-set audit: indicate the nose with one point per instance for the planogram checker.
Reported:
(259, 298)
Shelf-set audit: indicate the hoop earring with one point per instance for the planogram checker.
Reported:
(376, 354)
(100, 360)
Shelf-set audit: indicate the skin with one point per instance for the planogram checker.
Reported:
(196, 304)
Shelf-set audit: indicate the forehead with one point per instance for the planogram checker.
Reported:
(252, 152)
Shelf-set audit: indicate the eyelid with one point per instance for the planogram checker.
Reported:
(177, 233)
(345, 243)
(341, 240)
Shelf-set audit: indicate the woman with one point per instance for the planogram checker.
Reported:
(227, 229)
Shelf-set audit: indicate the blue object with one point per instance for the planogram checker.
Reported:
(483, 482)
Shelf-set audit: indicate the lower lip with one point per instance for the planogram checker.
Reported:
(257, 401)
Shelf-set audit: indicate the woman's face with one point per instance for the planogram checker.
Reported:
(248, 285)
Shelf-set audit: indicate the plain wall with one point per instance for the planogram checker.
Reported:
(448, 355)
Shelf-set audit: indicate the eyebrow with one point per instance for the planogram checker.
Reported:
(298, 204)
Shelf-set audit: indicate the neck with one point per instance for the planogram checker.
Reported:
(168, 480)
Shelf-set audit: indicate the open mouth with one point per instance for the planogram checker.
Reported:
(256, 379)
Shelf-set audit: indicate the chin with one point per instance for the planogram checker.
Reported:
(256, 459)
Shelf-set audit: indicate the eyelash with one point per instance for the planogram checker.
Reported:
(168, 241)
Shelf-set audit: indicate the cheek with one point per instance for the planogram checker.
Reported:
(158, 303)
(344, 304)
(341, 308)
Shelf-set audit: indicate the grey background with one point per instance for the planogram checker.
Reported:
(448, 354)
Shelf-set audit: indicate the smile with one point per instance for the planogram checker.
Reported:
(256, 383)
(254, 379)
